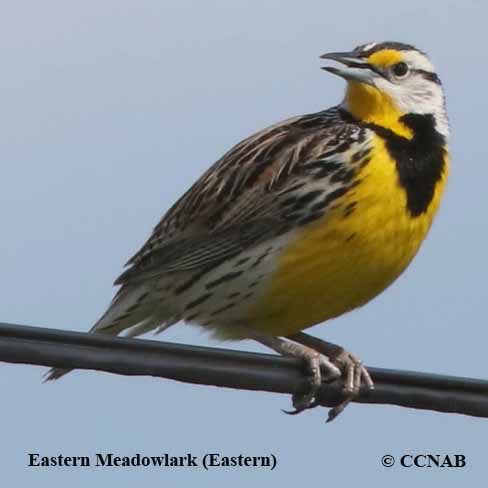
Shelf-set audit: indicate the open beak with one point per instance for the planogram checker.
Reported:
(355, 67)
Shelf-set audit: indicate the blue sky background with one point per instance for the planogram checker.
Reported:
(108, 112)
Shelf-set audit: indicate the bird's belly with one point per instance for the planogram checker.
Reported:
(351, 255)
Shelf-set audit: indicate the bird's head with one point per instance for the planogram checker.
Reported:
(389, 80)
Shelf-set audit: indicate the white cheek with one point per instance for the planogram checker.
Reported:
(418, 96)
(413, 96)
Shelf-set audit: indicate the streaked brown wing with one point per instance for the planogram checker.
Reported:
(207, 250)
(253, 191)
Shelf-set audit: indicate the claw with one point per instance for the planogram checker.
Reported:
(334, 412)
(301, 403)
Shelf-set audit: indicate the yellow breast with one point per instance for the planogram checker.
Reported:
(348, 257)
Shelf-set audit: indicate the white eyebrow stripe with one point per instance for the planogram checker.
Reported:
(418, 61)
(369, 46)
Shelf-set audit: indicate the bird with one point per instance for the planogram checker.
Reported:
(301, 222)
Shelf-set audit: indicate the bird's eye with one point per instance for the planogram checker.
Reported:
(400, 70)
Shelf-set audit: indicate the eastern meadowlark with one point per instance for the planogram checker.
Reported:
(301, 222)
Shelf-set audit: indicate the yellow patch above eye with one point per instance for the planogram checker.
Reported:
(385, 57)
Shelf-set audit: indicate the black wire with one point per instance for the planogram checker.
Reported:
(232, 369)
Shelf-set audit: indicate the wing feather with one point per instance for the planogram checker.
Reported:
(208, 250)
(254, 192)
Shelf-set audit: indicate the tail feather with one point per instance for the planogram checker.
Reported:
(132, 309)
(55, 373)
(150, 324)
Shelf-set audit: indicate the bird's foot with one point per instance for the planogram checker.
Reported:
(354, 373)
(321, 369)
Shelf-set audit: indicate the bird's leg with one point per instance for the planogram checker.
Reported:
(319, 365)
(353, 371)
